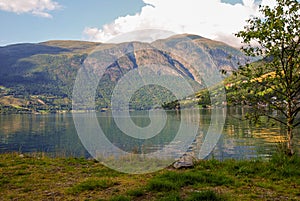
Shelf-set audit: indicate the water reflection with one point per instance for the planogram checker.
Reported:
(56, 135)
(242, 140)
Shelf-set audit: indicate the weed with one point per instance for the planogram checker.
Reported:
(283, 166)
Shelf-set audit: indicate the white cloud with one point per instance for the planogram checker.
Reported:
(35, 7)
(270, 3)
(209, 18)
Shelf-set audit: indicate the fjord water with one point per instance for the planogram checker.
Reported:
(55, 134)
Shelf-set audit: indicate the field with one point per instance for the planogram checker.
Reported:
(37, 177)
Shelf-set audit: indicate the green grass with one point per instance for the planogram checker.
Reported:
(37, 177)
(205, 196)
(90, 185)
(175, 180)
(120, 198)
(136, 192)
(174, 196)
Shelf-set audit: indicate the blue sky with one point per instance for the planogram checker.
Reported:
(68, 22)
(78, 19)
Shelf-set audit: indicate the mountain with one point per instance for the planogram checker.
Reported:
(40, 77)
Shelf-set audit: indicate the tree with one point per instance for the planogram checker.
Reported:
(274, 83)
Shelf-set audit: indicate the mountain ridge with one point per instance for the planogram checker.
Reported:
(48, 70)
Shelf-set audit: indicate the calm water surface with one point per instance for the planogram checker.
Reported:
(56, 135)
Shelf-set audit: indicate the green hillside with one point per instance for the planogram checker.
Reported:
(40, 77)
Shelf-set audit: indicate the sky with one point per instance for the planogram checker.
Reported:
(32, 21)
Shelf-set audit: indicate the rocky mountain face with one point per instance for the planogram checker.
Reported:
(44, 74)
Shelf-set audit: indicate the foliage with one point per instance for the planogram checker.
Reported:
(204, 98)
(274, 82)
(171, 105)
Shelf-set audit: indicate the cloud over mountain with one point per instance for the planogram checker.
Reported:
(36, 7)
(209, 18)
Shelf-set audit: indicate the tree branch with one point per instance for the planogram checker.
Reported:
(276, 119)
(297, 124)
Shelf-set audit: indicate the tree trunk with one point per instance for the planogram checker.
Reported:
(290, 150)
(290, 121)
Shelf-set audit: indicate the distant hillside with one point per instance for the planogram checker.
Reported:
(40, 77)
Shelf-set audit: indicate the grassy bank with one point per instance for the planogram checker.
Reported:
(41, 178)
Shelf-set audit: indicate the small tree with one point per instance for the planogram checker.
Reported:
(274, 82)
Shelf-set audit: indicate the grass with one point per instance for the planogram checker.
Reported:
(175, 180)
(90, 185)
(37, 177)
(205, 195)
(120, 198)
